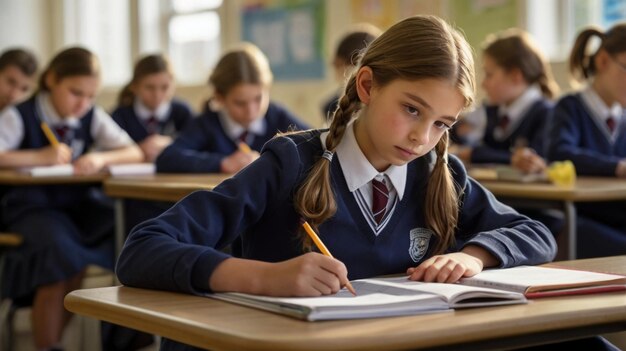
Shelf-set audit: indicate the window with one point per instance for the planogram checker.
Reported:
(102, 27)
(555, 24)
(194, 34)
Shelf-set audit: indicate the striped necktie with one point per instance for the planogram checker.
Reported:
(152, 125)
(610, 122)
(65, 134)
(380, 197)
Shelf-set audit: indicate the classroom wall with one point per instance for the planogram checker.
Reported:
(44, 32)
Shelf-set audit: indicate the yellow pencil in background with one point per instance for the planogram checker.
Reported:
(49, 134)
(320, 245)
(243, 147)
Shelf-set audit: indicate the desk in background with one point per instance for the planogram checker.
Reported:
(155, 187)
(546, 195)
(218, 325)
(14, 178)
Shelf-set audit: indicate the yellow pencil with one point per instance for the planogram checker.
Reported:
(243, 147)
(49, 134)
(320, 245)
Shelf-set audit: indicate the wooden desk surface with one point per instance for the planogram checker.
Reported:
(13, 177)
(585, 189)
(219, 325)
(161, 187)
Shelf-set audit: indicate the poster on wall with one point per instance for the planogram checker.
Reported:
(291, 34)
(613, 11)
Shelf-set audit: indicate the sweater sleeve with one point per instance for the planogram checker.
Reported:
(180, 249)
(512, 238)
(190, 152)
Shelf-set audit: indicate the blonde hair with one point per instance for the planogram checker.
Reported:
(419, 47)
(245, 64)
(581, 64)
(515, 49)
(151, 64)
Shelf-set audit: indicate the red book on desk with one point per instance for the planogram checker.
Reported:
(536, 281)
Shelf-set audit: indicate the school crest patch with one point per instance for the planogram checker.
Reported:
(420, 238)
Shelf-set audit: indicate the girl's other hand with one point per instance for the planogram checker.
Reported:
(526, 160)
(153, 145)
(238, 160)
(448, 268)
(90, 163)
(56, 155)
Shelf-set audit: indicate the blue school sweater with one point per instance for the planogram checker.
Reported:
(203, 143)
(575, 135)
(531, 128)
(180, 249)
(178, 116)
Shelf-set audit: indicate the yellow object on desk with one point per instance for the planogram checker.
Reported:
(243, 147)
(562, 173)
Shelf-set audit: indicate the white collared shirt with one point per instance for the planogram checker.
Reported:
(234, 129)
(600, 112)
(144, 113)
(516, 110)
(107, 134)
(359, 172)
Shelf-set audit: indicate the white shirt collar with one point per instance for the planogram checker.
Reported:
(144, 113)
(518, 108)
(234, 129)
(48, 113)
(599, 109)
(357, 170)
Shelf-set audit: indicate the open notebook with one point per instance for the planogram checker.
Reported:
(397, 296)
(506, 174)
(114, 170)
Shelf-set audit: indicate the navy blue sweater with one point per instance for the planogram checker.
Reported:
(203, 143)
(180, 249)
(178, 116)
(531, 129)
(575, 135)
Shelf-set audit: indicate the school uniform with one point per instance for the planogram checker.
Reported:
(520, 124)
(139, 122)
(580, 133)
(65, 228)
(212, 136)
(256, 206)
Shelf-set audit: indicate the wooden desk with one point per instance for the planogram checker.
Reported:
(154, 187)
(218, 325)
(545, 195)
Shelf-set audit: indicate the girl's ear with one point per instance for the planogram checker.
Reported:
(50, 79)
(517, 76)
(601, 60)
(364, 82)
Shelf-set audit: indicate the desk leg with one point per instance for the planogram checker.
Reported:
(120, 230)
(570, 223)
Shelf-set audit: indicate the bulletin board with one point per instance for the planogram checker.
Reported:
(291, 34)
(478, 18)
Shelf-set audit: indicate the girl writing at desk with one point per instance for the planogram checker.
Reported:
(236, 123)
(147, 110)
(589, 129)
(378, 186)
(65, 228)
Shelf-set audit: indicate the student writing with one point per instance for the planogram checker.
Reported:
(519, 85)
(588, 129)
(65, 228)
(147, 109)
(239, 112)
(378, 187)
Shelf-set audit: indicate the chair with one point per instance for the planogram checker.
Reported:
(7, 308)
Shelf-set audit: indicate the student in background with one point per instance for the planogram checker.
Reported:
(589, 129)
(17, 69)
(519, 86)
(240, 112)
(146, 107)
(379, 187)
(65, 228)
(344, 60)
